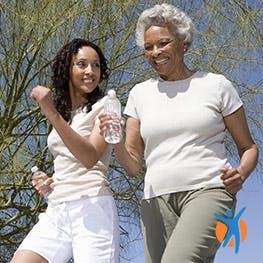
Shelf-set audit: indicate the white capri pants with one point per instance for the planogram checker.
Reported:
(87, 230)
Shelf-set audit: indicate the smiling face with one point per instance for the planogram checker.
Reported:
(164, 51)
(85, 74)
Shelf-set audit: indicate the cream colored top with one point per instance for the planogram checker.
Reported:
(72, 180)
(183, 130)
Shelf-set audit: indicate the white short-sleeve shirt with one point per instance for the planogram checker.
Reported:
(72, 180)
(183, 130)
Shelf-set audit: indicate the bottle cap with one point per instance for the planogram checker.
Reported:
(34, 169)
(111, 93)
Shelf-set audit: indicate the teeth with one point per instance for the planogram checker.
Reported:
(162, 61)
(87, 80)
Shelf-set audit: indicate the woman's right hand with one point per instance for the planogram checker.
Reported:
(43, 96)
(106, 120)
(42, 183)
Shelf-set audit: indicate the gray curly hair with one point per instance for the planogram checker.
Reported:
(165, 14)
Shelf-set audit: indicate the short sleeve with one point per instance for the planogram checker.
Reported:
(230, 100)
(130, 109)
(99, 109)
(97, 120)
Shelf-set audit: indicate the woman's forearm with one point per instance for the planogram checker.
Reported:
(130, 163)
(248, 160)
(79, 146)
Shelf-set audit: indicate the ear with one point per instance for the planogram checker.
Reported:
(185, 47)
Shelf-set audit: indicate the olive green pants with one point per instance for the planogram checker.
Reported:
(180, 227)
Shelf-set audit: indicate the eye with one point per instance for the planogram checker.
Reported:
(95, 66)
(164, 43)
(148, 47)
(81, 64)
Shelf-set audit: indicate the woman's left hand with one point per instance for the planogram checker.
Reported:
(232, 179)
(42, 183)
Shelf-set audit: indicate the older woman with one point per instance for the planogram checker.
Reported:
(180, 130)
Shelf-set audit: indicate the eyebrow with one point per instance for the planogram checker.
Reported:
(161, 39)
(85, 59)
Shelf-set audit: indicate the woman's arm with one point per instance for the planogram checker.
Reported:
(237, 126)
(129, 153)
(87, 151)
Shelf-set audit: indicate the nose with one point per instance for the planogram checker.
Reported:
(88, 69)
(155, 51)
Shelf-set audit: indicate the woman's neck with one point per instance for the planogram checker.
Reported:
(180, 73)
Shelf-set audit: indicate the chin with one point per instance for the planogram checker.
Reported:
(162, 75)
(88, 89)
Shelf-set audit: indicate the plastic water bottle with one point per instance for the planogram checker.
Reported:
(35, 170)
(112, 106)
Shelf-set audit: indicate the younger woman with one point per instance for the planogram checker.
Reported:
(81, 219)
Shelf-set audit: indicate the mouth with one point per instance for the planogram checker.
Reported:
(160, 61)
(87, 81)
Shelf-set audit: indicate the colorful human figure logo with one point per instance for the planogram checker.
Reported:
(231, 230)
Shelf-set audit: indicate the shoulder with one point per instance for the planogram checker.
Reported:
(214, 81)
(145, 84)
(142, 87)
(209, 76)
(96, 109)
(220, 78)
(99, 104)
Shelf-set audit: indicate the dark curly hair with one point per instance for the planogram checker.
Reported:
(61, 76)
